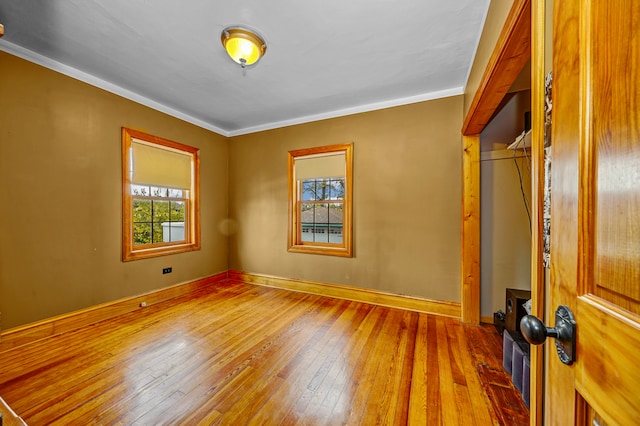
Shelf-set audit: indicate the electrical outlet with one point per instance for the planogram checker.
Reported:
(167, 270)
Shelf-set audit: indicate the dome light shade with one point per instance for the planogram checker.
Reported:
(243, 46)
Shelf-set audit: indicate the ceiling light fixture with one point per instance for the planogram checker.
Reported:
(244, 46)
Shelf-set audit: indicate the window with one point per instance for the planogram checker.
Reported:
(160, 209)
(320, 192)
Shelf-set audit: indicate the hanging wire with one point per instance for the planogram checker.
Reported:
(515, 160)
(526, 155)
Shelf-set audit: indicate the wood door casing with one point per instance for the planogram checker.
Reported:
(596, 208)
(564, 202)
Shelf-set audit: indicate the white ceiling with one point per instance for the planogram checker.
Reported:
(324, 58)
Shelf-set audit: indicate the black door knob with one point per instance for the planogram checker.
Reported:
(535, 332)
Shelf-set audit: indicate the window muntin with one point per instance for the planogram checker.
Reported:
(159, 214)
(160, 196)
(320, 200)
(322, 221)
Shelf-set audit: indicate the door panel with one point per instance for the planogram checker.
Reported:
(614, 83)
(596, 195)
(607, 369)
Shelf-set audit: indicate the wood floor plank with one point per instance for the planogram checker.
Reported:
(434, 399)
(327, 385)
(167, 369)
(297, 367)
(479, 403)
(356, 386)
(386, 392)
(450, 410)
(402, 407)
(299, 391)
(362, 397)
(417, 414)
(242, 359)
(265, 368)
(460, 382)
(233, 353)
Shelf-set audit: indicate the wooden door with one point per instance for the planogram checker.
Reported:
(595, 264)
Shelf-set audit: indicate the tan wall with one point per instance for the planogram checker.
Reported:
(496, 17)
(407, 192)
(60, 221)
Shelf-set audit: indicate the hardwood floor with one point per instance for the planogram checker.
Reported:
(234, 353)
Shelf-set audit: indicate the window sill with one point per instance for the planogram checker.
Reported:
(158, 251)
(324, 250)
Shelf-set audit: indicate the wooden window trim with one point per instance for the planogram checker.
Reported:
(192, 221)
(294, 242)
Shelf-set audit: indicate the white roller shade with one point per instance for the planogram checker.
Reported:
(320, 166)
(160, 167)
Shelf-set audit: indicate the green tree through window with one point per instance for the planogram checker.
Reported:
(158, 214)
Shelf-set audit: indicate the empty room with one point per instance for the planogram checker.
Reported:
(279, 213)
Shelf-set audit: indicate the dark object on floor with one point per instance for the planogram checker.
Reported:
(514, 308)
(498, 321)
(515, 360)
(525, 380)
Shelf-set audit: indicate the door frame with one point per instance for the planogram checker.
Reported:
(521, 39)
